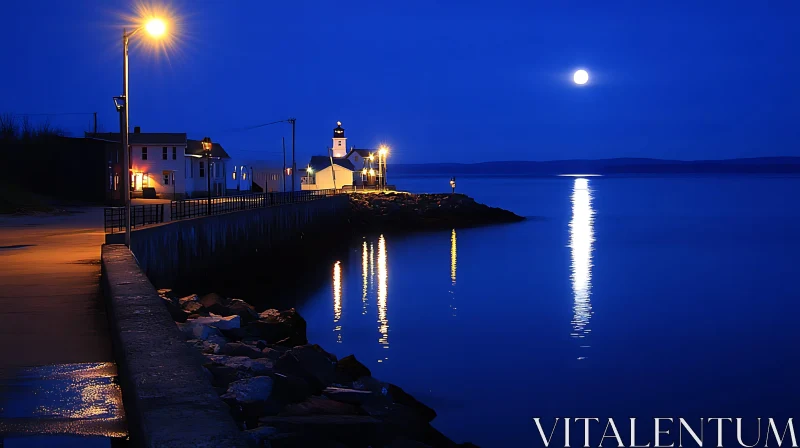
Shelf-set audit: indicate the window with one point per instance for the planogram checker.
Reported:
(340, 143)
(144, 152)
(174, 153)
(202, 169)
(164, 154)
(273, 177)
(166, 178)
(244, 175)
(234, 174)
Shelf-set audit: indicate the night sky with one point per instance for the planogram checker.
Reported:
(462, 81)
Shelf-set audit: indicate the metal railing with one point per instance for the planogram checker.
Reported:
(192, 208)
(141, 215)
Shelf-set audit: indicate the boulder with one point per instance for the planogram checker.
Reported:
(287, 328)
(203, 332)
(348, 430)
(271, 353)
(243, 310)
(214, 303)
(214, 320)
(239, 349)
(255, 367)
(311, 363)
(319, 406)
(352, 396)
(205, 346)
(175, 311)
(249, 390)
(351, 368)
(183, 301)
(290, 388)
(194, 308)
(260, 436)
(402, 397)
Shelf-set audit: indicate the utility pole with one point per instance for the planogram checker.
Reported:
(95, 122)
(294, 164)
(283, 173)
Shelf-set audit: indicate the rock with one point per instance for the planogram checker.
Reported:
(220, 322)
(400, 396)
(243, 310)
(349, 430)
(249, 390)
(214, 303)
(203, 332)
(260, 436)
(183, 301)
(351, 396)
(204, 346)
(194, 308)
(351, 368)
(175, 311)
(239, 349)
(311, 363)
(290, 388)
(271, 353)
(255, 367)
(285, 327)
(235, 334)
(319, 406)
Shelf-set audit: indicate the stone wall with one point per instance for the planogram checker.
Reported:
(201, 246)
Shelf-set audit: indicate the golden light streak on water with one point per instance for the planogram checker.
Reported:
(383, 321)
(365, 277)
(581, 231)
(337, 299)
(453, 265)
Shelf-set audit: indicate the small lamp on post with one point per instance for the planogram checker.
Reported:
(207, 151)
(382, 156)
(453, 184)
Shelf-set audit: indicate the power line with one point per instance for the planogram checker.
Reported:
(54, 114)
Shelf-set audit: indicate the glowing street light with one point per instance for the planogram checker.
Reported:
(156, 28)
(383, 151)
(207, 146)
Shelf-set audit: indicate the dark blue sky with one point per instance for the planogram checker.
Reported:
(458, 81)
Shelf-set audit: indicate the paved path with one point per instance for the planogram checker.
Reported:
(53, 328)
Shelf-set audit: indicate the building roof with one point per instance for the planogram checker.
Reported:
(143, 138)
(195, 148)
(319, 163)
(364, 153)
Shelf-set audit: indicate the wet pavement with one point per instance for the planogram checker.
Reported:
(57, 374)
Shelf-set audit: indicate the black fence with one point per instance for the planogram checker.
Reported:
(192, 208)
(141, 215)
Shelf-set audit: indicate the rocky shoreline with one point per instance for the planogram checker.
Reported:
(407, 211)
(284, 392)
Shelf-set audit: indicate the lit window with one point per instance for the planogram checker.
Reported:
(174, 153)
(244, 176)
(144, 152)
(202, 169)
(234, 175)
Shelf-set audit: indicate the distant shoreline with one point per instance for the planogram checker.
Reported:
(624, 166)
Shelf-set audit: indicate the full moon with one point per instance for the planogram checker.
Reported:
(581, 77)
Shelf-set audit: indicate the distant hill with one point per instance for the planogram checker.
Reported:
(775, 165)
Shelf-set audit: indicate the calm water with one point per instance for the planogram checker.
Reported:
(630, 297)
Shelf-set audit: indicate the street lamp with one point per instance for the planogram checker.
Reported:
(382, 155)
(156, 28)
(207, 145)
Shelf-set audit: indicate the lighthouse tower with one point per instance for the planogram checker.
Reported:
(339, 141)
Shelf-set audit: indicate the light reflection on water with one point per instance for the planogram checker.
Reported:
(453, 264)
(368, 277)
(581, 238)
(337, 300)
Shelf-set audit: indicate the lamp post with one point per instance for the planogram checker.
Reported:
(156, 28)
(453, 184)
(207, 151)
(382, 156)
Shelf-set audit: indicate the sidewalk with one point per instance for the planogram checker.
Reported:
(57, 371)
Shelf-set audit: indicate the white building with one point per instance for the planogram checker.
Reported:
(322, 175)
(200, 170)
(156, 162)
(269, 177)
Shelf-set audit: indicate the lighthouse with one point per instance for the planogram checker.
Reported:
(339, 141)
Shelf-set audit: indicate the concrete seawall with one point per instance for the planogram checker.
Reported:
(167, 394)
(194, 247)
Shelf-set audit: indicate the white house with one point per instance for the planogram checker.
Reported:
(322, 175)
(156, 161)
(200, 170)
(269, 177)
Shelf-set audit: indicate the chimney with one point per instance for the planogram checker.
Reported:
(137, 129)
